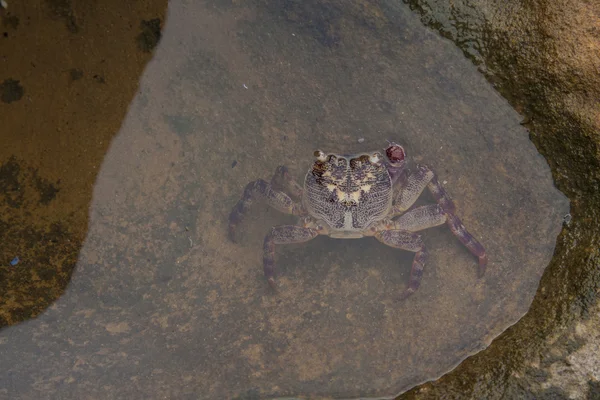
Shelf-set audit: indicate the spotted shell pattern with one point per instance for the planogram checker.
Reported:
(348, 193)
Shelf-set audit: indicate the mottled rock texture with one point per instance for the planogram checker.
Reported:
(58, 120)
(544, 57)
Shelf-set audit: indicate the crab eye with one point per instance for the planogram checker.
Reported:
(320, 155)
(395, 153)
(375, 158)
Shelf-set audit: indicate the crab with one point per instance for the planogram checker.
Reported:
(355, 196)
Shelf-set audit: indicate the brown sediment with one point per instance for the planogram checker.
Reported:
(57, 124)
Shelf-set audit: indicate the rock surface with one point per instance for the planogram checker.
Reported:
(542, 56)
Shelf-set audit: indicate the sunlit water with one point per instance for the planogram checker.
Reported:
(163, 306)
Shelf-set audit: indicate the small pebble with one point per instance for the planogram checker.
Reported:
(361, 140)
(14, 261)
(234, 163)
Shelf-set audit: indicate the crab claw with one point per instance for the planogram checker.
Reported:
(395, 153)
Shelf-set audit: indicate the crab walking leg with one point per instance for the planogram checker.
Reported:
(429, 216)
(283, 234)
(411, 242)
(414, 185)
(440, 195)
(262, 190)
(459, 230)
(455, 225)
(283, 182)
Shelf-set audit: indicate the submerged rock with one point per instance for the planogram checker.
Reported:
(162, 304)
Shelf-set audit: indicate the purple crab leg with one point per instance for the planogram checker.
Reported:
(260, 189)
(455, 225)
(283, 234)
(411, 242)
(424, 217)
(283, 181)
(440, 195)
(459, 230)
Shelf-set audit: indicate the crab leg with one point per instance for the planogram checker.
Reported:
(409, 241)
(283, 182)
(440, 195)
(413, 187)
(459, 230)
(283, 234)
(262, 190)
(429, 216)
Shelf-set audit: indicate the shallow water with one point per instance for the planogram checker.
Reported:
(162, 304)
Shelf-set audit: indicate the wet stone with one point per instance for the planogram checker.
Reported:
(75, 74)
(11, 90)
(63, 9)
(150, 35)
(11, 21)
(335, 328)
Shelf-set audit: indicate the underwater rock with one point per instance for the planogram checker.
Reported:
(162, 304)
